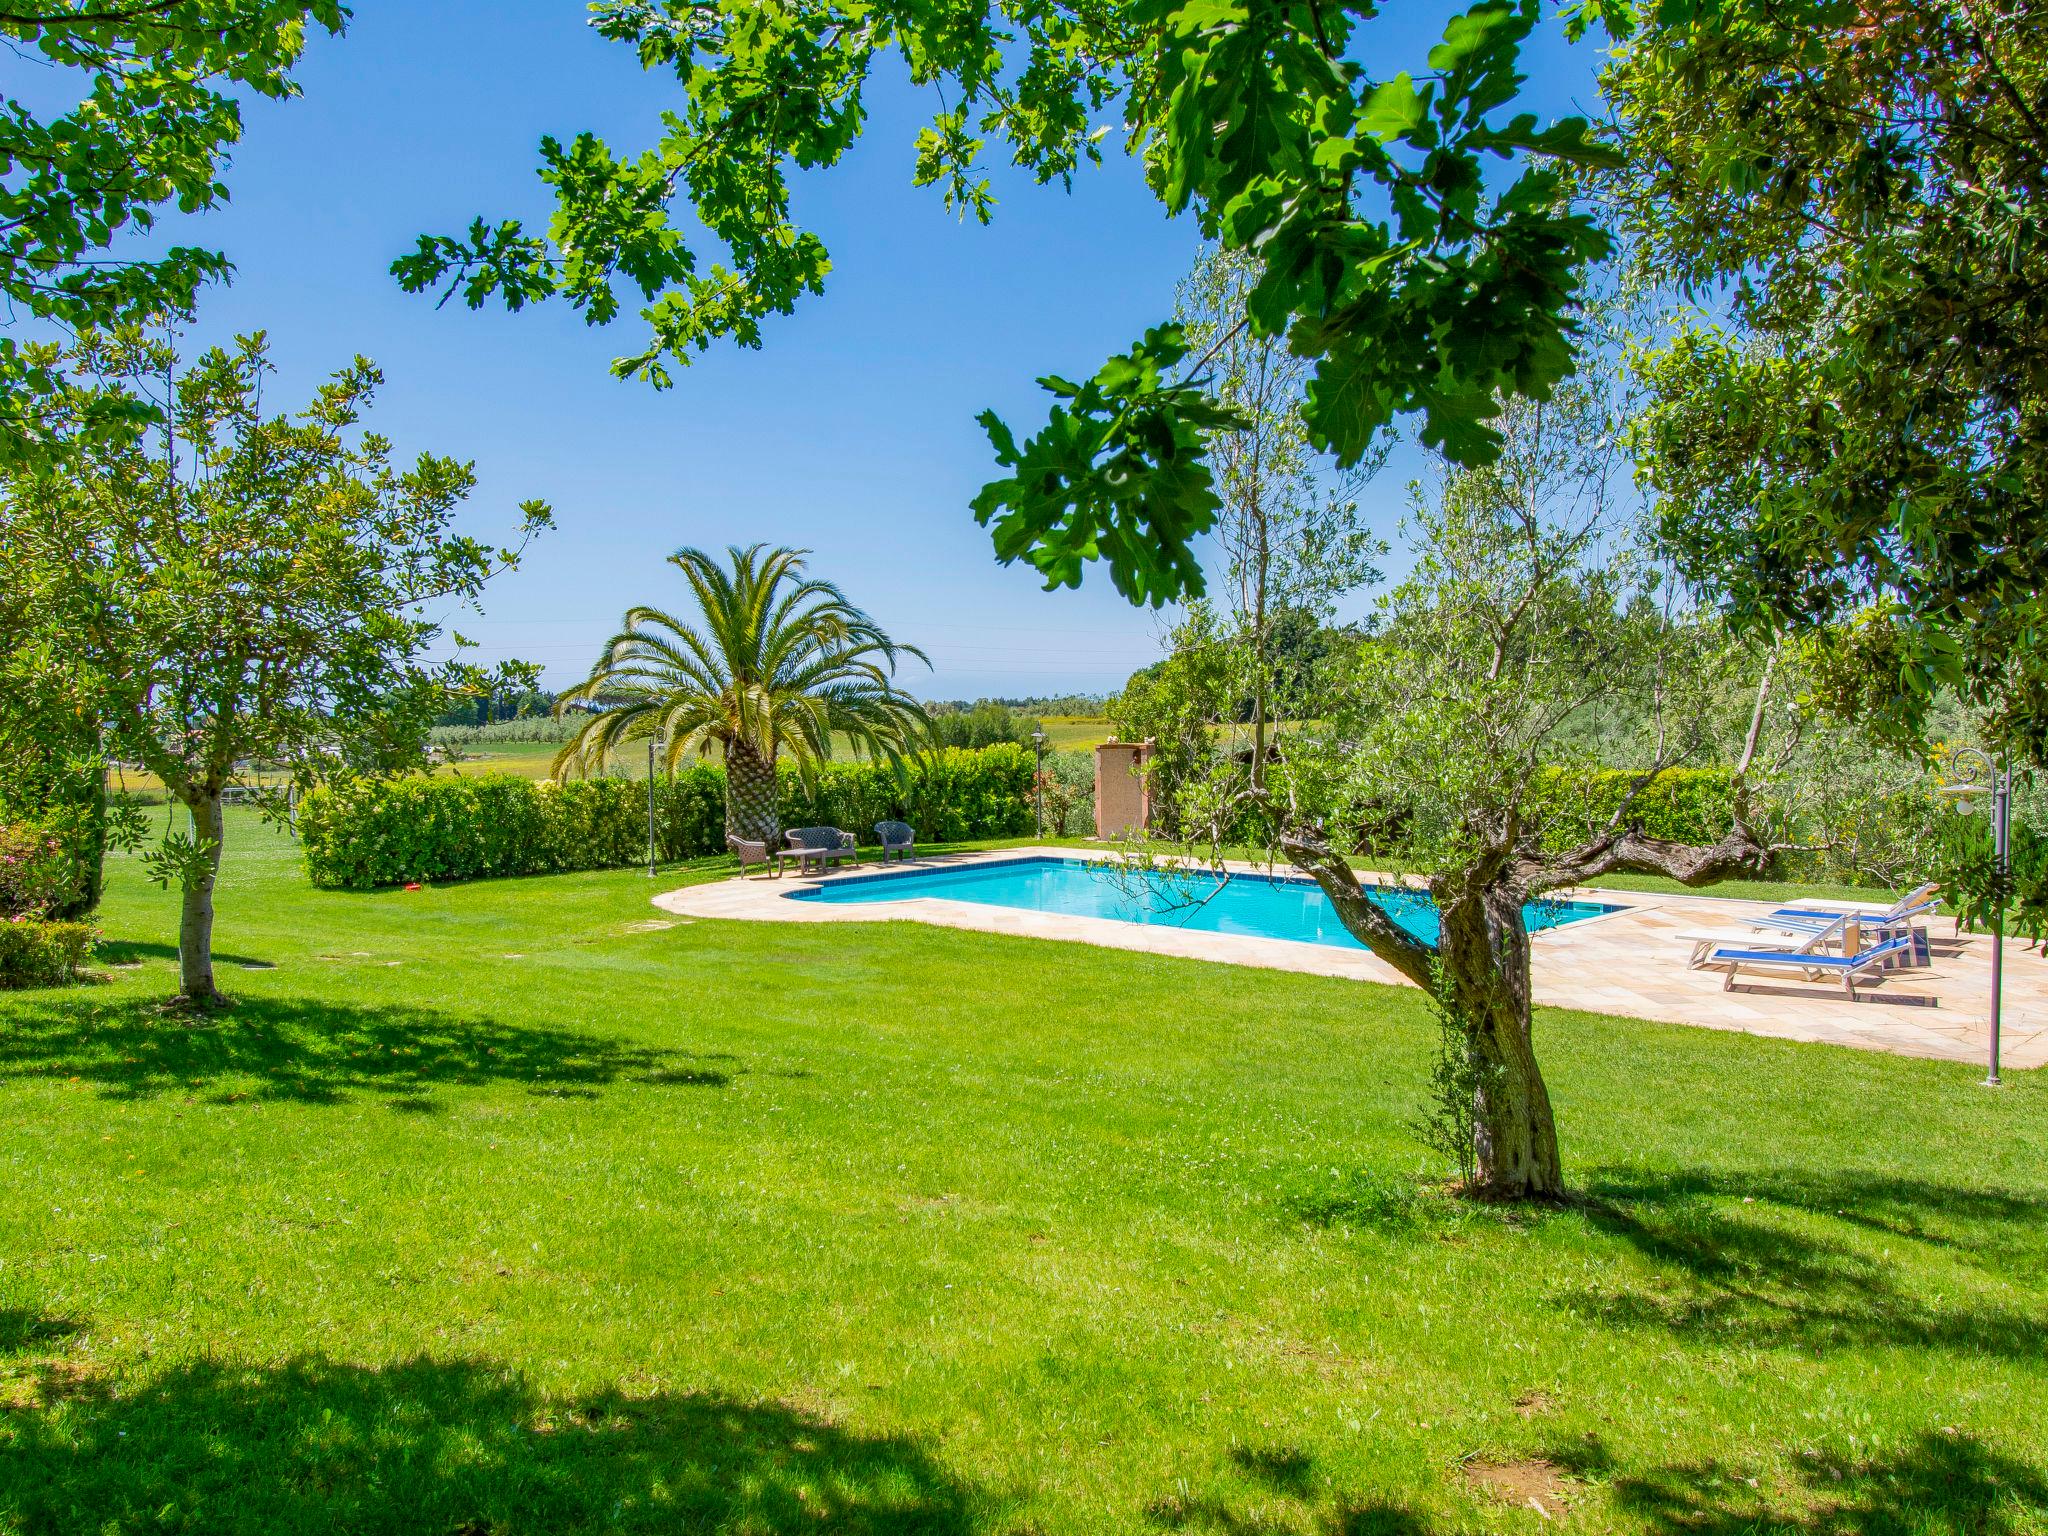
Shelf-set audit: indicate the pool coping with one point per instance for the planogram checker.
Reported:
(773, 898)
(1626, 962)
(1001, 858)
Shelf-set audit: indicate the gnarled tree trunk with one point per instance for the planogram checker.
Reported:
(195, 920)
(1484, 958)
(750, 810)
(1479, 970)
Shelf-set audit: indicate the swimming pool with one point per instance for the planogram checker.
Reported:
(1256, 906)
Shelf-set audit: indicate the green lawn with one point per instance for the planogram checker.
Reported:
(500, 1209)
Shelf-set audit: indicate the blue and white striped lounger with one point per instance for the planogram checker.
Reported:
(1880, 920)
(1814, 967)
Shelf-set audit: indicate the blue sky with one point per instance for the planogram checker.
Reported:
(850, 432)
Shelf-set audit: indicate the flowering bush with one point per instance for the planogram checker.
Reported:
(35, 953)
(43, 863)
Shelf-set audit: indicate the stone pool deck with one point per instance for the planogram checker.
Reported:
(1628, 962)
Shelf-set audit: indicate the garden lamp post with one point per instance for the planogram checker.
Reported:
(1989, 784)
(1038, 777)
(651, 741)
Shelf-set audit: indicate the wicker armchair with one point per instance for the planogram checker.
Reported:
(899, 841)
(752, 854)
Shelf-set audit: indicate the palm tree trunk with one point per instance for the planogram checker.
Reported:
(750, 810)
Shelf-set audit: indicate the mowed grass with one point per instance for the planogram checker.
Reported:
(1074, 733)
(499, 1208)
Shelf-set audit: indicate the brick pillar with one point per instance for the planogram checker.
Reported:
(1123, 790)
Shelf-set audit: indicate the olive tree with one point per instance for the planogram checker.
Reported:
(1449, 755)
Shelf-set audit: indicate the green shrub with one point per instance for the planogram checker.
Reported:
(35, 953)
(1683, 805)
(1964, 863)
(386, 832)
(50, 862)
(946, 796)
(689, 814)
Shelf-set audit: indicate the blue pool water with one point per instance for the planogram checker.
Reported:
(1258, 906)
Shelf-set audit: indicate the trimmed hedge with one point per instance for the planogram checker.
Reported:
(386, 832)
(948, 795)
(35, 953)
(389, 831)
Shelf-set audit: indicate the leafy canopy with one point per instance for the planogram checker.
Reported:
(234, 585)
(1416, 287)
(157, 113)
(1859, 443)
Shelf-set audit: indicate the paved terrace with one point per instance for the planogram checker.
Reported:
(1628, 962)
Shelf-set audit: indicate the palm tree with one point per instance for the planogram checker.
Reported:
(779, 662)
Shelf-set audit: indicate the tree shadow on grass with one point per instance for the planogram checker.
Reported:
(1938, 1484)
(1212, 1516)
(23, 1329)
(135, 951)
(1744, 1258)
(1300, 1509)
(315, 1052)
(446, 1446)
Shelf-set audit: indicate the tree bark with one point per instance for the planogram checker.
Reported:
(1479, 968)
(195, 921)
(1484, 953)
(750, 810)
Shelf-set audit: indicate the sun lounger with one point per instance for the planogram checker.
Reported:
(1814, 967)
(1706, 941)
(1874, 918)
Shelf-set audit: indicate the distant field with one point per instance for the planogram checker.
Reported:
(1064, 733)
(531, 759)
(1074, 733)
(526, 759)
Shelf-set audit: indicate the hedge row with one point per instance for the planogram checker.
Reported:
(948, 795)
(387, 832)
(35, 953)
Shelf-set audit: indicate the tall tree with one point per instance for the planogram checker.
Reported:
(1861, 433)
(777, 663)
(1288, 525)
(159, 88)
(1413, 283)
(231, 585)
(1454, 747)
(1450, 750)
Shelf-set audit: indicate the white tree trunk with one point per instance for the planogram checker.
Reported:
(195, 922)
